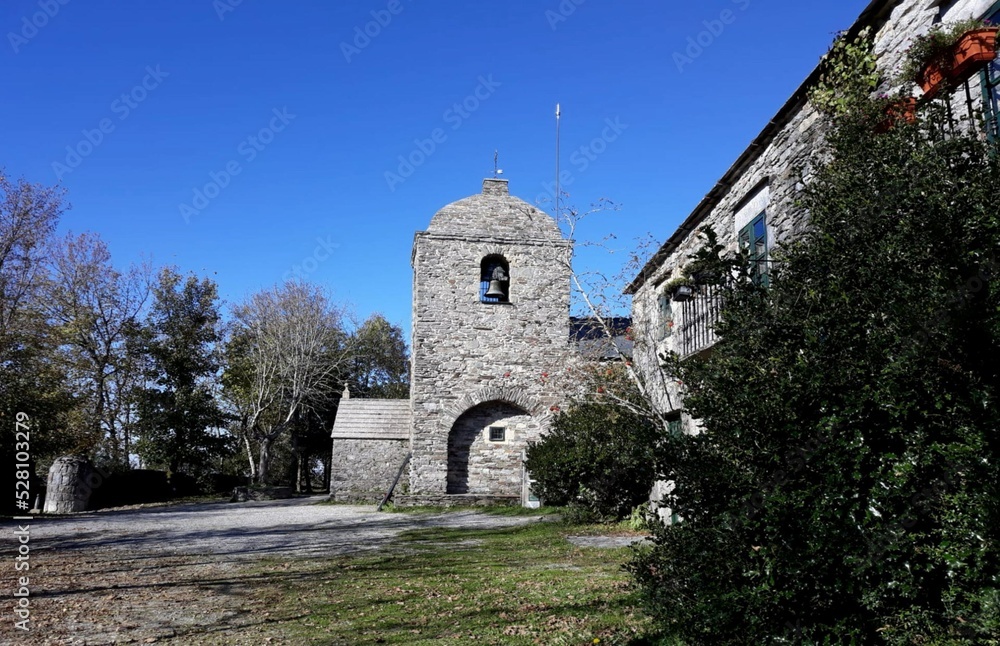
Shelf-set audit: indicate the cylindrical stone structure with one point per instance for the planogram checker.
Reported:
(68, 487)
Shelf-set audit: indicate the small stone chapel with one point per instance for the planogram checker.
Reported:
(491, 325)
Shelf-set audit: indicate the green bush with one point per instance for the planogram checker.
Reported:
(598, 457)
(575, 513)
(846, 487)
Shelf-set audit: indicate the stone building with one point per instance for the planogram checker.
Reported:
(753, 205)
(491, 294)
(371, 440)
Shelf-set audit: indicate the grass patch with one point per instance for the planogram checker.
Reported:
(517, 585)
(493, 510)
(416, 510)
(518, 510)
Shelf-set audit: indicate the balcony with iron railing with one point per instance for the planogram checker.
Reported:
(699, 314)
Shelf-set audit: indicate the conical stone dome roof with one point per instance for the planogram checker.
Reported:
(494, 213)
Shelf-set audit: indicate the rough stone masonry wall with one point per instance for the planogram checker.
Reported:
(467, 353)
(781, 167)
(70, 483)
(363, 470)
(911, 18)
(480, 466)
(784, 166)
(456, 500)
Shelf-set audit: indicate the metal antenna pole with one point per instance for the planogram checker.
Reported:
(558, 114)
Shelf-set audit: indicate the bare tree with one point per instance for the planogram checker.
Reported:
(28, 216)
(601, 298)
(294, 352)
(95, 309)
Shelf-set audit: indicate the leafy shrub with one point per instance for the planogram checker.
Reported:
(848, 72)
(575, 513)
(133, 487)
(219, 483)
(598, 456)
(185, 485)
(640, 519)
(845, 486)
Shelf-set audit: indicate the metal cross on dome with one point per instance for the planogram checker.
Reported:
(496, 160)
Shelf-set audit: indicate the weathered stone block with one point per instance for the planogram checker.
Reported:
(69, 485)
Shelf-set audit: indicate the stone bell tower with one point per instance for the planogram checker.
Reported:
(491, 291)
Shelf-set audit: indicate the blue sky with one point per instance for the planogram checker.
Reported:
(242, 139)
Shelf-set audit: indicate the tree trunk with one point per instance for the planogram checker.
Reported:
(327, 460)
(127, 440)
(306, 471)
(98, 420)
(264, 462)
(253, 465)
(297, 452)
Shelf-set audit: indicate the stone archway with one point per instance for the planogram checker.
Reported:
(479, 463)
(507, 394)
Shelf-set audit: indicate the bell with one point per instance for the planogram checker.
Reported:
(495, 290)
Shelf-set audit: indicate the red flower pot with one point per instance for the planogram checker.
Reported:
(974, 48)
(902, 110)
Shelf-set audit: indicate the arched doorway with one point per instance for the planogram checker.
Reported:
(484, 449)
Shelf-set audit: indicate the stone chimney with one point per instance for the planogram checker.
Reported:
(495, 186)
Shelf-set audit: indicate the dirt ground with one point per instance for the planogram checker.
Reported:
(187, 574)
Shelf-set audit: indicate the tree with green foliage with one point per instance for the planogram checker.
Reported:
(845, 486)
(381, 365)
(32, 379)
(180, 422)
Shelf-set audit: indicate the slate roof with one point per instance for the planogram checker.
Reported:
(495, 214)
(372, 419)
(592, 342)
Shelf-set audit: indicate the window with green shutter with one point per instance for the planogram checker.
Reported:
(665, 313)
(753, 242)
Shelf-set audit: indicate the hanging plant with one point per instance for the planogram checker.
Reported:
(680, 288)
(948, 52)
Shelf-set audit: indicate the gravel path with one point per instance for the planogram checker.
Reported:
(189, 574)
(607, 542)
(297, 527)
